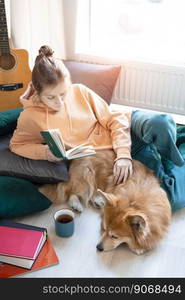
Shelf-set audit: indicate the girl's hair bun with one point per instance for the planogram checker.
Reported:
(48, 70)
(45, 51)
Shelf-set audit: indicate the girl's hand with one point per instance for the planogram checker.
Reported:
(122, 170)
(50, 156)
(31, 89)
(28, 93)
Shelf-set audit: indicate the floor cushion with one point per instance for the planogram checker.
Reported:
(8, 120)
(19, 197)
(36, 171)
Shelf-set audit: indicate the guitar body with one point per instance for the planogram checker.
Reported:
(15, 75)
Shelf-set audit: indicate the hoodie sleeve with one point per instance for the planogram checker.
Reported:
(33, 151)
(26, 140)
(118, 123)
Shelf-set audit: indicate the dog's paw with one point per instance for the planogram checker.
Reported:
(98, 202)
(74, 203)
(138, 251)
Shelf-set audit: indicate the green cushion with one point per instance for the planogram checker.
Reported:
(8, 120)
(19, 197)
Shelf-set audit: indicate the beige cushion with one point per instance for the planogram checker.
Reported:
(100, 78)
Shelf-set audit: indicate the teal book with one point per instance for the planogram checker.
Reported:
(54, 140)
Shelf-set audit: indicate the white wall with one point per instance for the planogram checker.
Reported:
(70, 13)
(35, 23)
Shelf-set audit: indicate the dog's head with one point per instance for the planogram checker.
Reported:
(122, 224)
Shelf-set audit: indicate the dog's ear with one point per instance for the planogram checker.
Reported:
(109, 198)
(138, 223)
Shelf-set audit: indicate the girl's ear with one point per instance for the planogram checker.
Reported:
(109, 198)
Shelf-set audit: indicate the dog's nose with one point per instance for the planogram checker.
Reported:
(99, 247)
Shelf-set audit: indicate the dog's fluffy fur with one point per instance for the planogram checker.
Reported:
(136, 213)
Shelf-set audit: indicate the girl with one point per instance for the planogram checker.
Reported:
(51, 101)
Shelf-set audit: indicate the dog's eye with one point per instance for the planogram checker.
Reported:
(114, 237)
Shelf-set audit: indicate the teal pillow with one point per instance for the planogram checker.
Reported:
(8, 120)
(19, 197)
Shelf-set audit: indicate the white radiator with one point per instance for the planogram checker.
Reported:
(151, 86)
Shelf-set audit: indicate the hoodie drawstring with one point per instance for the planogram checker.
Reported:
(47, 119)
(69, 115)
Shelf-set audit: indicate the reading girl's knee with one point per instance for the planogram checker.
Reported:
(162, 121)
(162, 128)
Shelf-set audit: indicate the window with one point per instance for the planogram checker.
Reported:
(152, 30)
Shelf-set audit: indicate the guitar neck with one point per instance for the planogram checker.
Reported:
(4, 42)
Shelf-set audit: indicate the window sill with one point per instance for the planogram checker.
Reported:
(179, 119)
(99, 58)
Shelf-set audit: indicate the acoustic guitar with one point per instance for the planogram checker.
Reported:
(15, 73)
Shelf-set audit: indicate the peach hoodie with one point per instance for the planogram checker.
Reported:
(84, 117)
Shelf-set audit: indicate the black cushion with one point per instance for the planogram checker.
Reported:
(36, 171)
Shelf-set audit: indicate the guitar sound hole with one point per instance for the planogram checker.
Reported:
(7, 62)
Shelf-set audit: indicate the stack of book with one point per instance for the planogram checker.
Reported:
(24, 248)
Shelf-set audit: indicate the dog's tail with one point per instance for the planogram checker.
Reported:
(65, 189)
(50, 191)
(89, 177)
(63, 192)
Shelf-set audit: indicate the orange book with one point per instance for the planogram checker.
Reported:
(47, 257)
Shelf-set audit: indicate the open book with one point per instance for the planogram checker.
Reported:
(56, 144)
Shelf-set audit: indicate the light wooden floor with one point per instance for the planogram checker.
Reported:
(79, 258)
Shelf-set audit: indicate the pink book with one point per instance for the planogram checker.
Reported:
(20, 242)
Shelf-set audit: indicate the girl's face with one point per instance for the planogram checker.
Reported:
(53, 95)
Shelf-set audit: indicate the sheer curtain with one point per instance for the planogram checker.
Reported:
(35, 23)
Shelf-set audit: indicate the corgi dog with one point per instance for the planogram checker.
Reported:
(86, 175)
(136, 212)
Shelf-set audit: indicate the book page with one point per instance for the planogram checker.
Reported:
(80, 155)
(76, 148)
(58, 140)
(79, 150)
